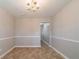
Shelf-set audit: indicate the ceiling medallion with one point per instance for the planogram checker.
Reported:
(32, 6)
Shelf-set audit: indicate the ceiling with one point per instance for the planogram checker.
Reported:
(18, 8)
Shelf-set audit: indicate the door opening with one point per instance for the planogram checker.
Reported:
(45, 32)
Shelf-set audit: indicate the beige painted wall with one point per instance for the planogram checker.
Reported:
(6, 31)
(27, 27)
(28, 31)
(65, 30)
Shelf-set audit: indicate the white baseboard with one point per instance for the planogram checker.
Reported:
(7, 52)
(65, 57)
(28, 46)
(19, 47)
(46, 43)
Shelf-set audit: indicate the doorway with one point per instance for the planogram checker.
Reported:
(45, 32)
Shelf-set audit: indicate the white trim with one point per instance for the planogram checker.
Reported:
(65, 57)
(27, 36)
(31, 40)
(62, 38)
(7, 52)
(6, 38)
(27, 46)
(16, 36)
(46, 43)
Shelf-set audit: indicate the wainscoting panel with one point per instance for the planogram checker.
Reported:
(28, 41)
(68, 47)
(5, 45)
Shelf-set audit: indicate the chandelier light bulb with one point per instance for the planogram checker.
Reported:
(32, 6)
(28, 4)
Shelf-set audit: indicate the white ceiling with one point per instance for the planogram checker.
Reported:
(47, 7)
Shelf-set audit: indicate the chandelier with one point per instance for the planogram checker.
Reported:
(32, 5)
